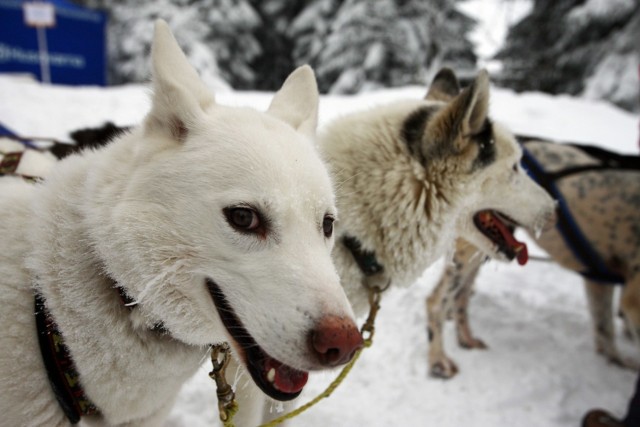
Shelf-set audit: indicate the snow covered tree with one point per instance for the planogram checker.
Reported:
(275, 61)
(254, 44)
(585, 47)
(232, 24)
(359, 44)
(217, 36)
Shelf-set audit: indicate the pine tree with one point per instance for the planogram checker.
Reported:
(360, 44)
(232, 24)
(576, 47)
(275, 62)
(217, 36)
(254, 44)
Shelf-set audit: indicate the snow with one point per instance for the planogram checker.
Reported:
(541, 368)
(494, 18)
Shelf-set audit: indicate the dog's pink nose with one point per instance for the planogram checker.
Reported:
(335, 340)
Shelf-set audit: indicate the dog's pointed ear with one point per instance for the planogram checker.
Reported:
(296, 103)
(477, 109)
(179, 95)
(465, 115)
(444, 87)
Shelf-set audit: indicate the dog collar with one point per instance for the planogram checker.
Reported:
(366, 260)
(61, 371)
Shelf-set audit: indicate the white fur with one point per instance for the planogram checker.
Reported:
(147, 211)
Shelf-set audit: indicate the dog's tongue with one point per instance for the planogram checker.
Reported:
(285, 378)
(519, 248)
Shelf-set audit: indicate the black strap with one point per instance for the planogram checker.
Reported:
(595, 267)
(63, 376)
(366, 260)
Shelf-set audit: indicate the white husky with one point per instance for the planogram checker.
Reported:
(413, 174)
(213, 223)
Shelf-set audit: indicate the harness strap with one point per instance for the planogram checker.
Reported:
(595, 268)
(10, 163)
(61, 371)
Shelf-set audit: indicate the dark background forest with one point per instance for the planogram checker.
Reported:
(579, 47)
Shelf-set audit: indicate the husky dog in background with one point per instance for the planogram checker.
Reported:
(205, 224)
(598, 235)
(412, 175)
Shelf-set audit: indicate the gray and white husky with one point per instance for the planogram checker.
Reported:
(414, 174)
(205, 224)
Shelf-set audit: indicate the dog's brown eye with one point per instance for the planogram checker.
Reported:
(327, 226)
(515, 167)
(243, 219)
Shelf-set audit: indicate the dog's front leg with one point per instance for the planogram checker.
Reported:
(251, 400)
(630, 306)
(439, 364)
(461, 304)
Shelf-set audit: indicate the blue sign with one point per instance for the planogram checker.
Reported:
(76, 44)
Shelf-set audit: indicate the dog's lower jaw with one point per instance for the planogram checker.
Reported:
(498, 228)
(276, 379)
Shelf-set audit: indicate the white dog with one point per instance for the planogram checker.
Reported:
(206, 224)
(413, 174)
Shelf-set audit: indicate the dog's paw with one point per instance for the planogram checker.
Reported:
(472, 343)
(444, 368)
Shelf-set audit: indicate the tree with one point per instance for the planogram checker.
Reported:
(275, 61)
(216, 35)
(577, 47)
(254, 44)
(360, 44)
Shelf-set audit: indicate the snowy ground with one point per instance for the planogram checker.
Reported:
(540, 370)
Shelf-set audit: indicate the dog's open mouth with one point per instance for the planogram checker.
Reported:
(275, 379)
(499, 229)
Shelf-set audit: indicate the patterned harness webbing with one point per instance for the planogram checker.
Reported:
(62, 373)
(595, 268)
(9, 166)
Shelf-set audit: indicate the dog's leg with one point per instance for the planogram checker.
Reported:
(439, 364)
(251, 400)
(452, 293)
(626, 325)
(461, 304)
(600, 299)
(630, 306)
(273, 410)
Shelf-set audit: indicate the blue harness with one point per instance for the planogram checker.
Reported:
(595, 268)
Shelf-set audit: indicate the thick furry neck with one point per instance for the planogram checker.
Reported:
(98, 329)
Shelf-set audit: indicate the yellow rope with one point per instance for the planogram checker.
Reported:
(230, 413)
(329, 390)
(368, 327)
(229, 409)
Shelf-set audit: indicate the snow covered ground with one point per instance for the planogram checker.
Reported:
(540, 369)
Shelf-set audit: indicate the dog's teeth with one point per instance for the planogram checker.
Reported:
(538, 231)
(271, 375)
